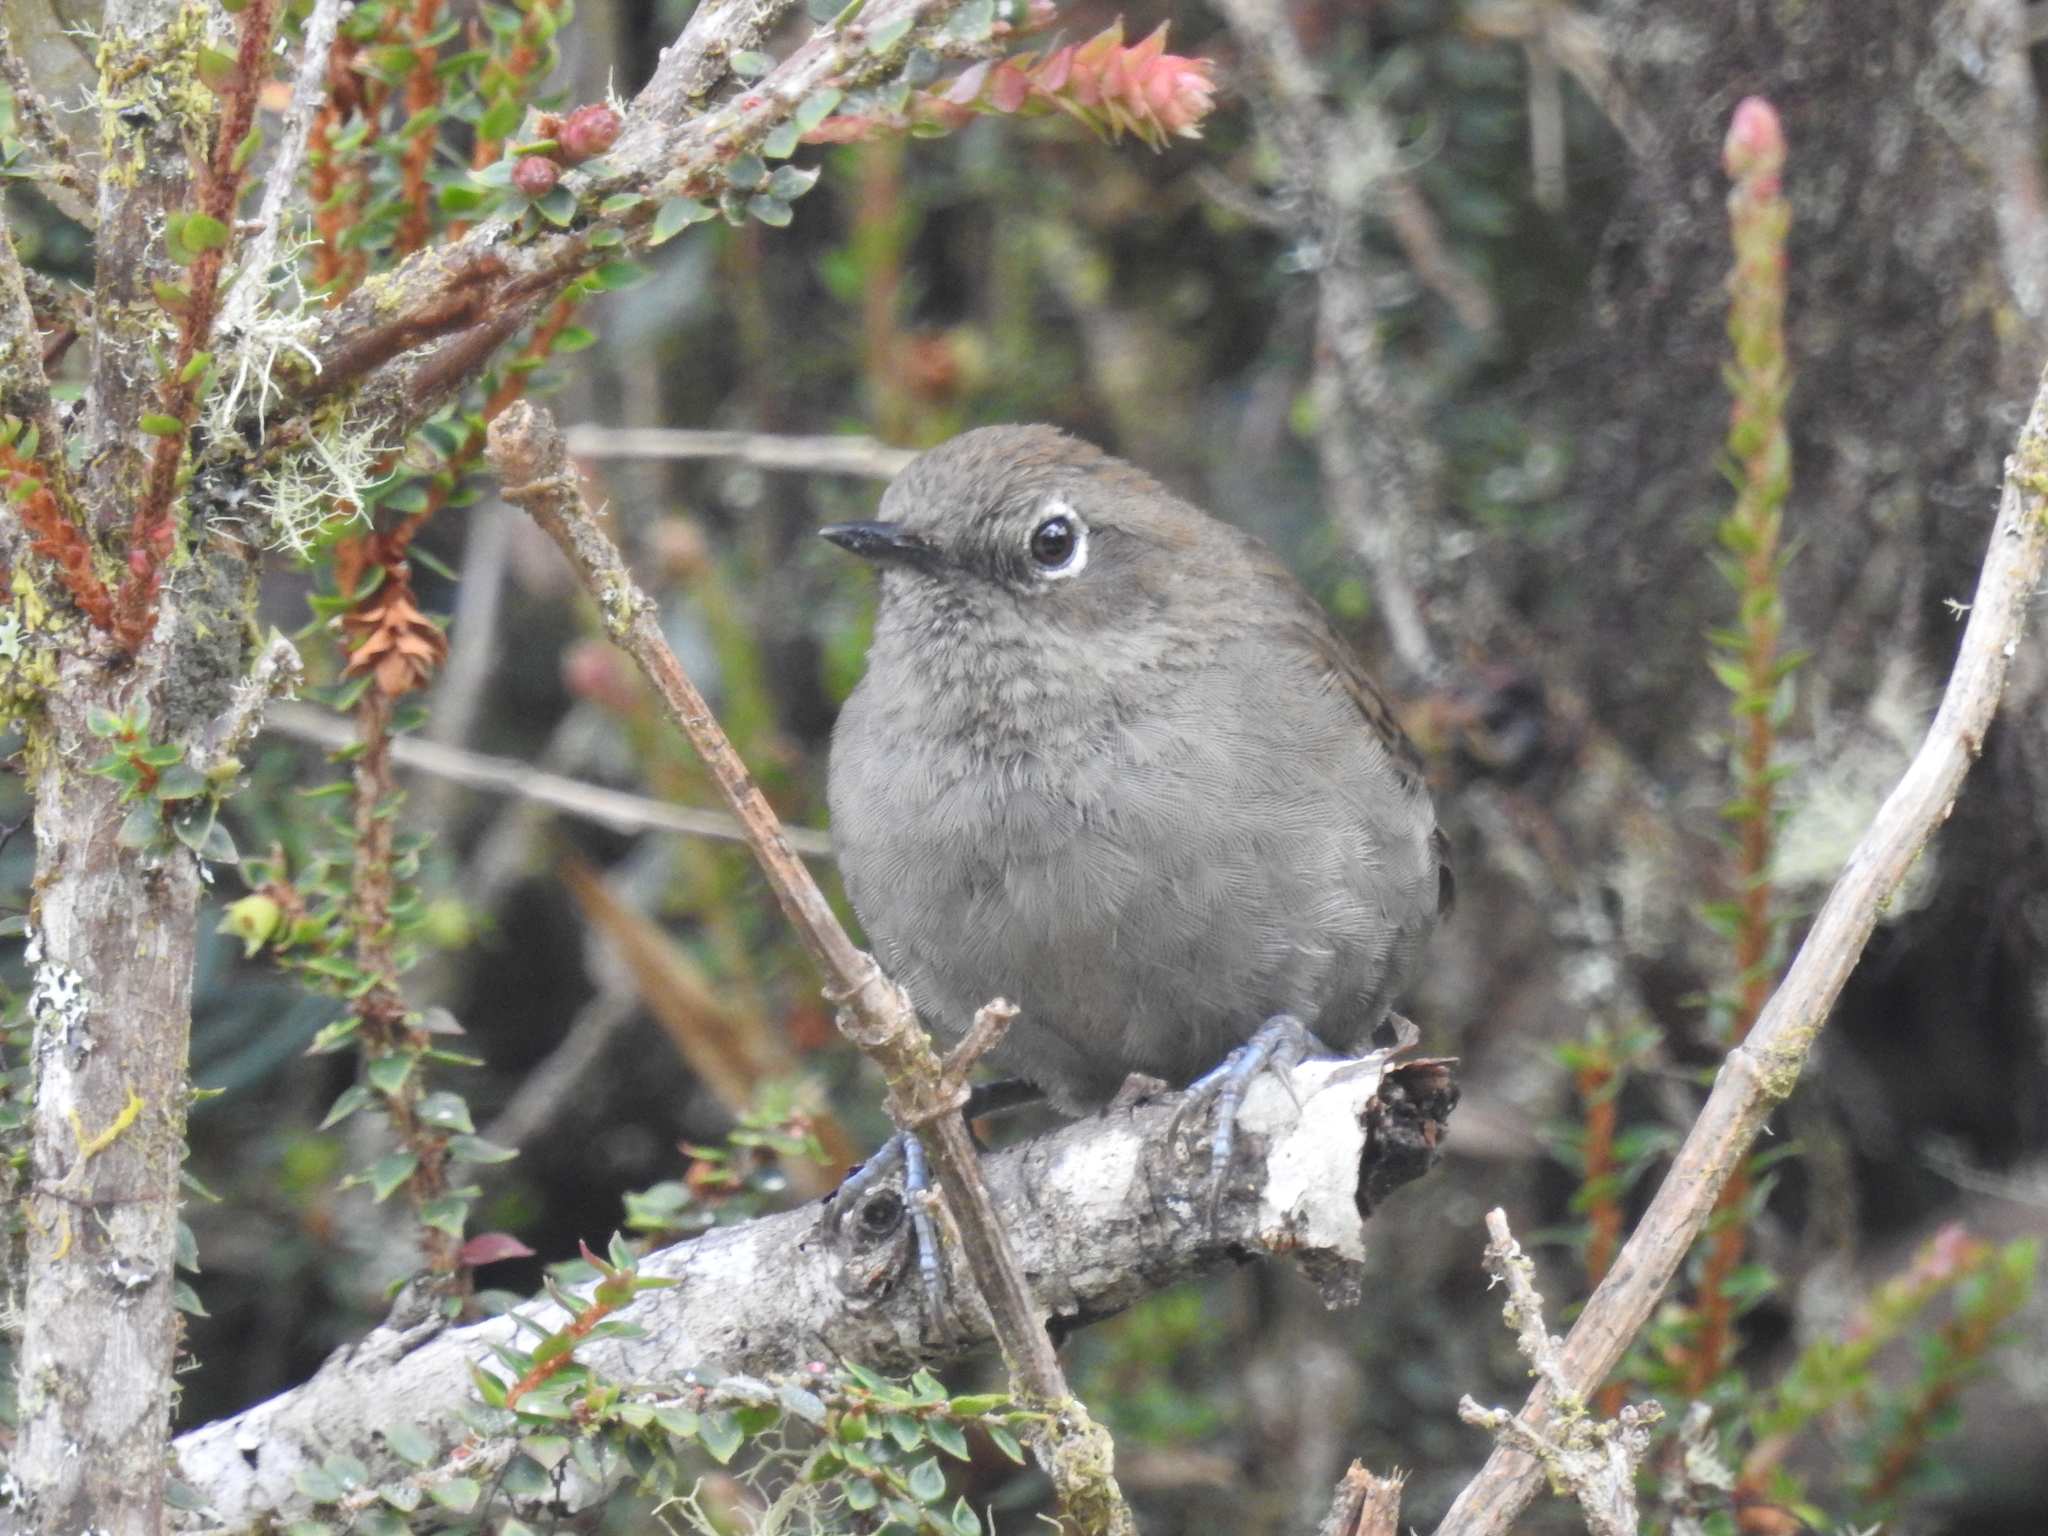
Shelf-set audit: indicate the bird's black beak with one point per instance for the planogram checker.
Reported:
(883, 543)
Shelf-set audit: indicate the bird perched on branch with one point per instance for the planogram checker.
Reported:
(1111, 763)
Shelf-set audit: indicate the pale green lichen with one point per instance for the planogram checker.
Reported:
(332, 466)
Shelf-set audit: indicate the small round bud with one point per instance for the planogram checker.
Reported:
(1756, 141)
(589, 131)
(535, 176)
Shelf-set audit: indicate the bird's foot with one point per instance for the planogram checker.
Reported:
(1277, 1046)
(902, 1150)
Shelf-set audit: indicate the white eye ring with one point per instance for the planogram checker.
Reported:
(1076, 560)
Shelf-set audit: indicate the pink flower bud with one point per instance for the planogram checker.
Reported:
(1756, 141)
(535, 176)
(589, 131)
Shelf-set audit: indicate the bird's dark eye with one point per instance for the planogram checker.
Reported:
(1054, 541)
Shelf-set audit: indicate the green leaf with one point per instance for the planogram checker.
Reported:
(746, 173)
(378, 1520)
(965, 1521)
(410, 1444)
(156, 424)
(677, 214)
(104, 722)
(680, 1422)
(927, 1482)
(447, 1111)
(215, 68)
(782, 140)
(905, 1430)
(720, 1434)
(203, 232)
(525, 1478)
(861, 1494)
(791, 181)
(186, 1300)
(142, 827)
(308, 1528)
(474, 1149)
(749, 65)
(882, 39)
(317, 1485)
(457, 1493)
(446, 1213)
(180, 781)
(770, 210)
(947, 1437)
(1006, 1443)
(179, 1496)
(174, 297)
(816, 107)
(614, 275)
(558, 206)
(403, 1497)
(252, 141)
(387, 1173)
(387, 1074)
(461, 197)
(346, 1470)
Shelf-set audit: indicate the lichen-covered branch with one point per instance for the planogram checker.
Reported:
(1762, 1071)
(1103, 1212)
(1592, 1459)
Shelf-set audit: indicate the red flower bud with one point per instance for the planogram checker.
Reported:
(139, 564)
(535, 176)
(1756, 141)
(589, 131)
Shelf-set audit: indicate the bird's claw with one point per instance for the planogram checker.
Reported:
(901, 1150)
(1278, 1045)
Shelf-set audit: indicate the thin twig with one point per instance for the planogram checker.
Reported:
(532, 464)
(281, 177)
(1762, 1071)
(848, 455)
(613, 808)
(1573, 39)
(68, 181)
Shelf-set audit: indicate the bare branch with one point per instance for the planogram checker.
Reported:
(66, 179)
(848, 455)
(531, 460)
(1365, 1505)
(1762, 1071)
(1572, 39)
(1105, 1212)
(613, 808)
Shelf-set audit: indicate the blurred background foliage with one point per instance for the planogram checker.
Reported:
(629, 998)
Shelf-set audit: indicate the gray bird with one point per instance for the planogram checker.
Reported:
(1110, 762)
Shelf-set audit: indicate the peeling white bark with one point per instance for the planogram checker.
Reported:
(1102, 1213)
